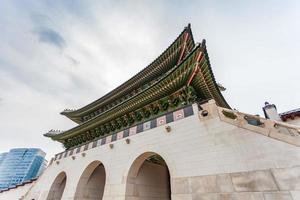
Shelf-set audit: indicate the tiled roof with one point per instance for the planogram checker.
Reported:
(290, 114)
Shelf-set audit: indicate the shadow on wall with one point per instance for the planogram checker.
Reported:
(148, 178)
(57, 187)
(92, 182)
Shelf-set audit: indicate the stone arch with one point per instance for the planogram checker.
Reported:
(91, 183)
(148, 178)
(57, 187)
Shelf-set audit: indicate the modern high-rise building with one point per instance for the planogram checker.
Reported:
(2, 157)
(20, 165)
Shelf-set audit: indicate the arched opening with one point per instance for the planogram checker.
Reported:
(57, 187)
(91, 183)
(148, 178)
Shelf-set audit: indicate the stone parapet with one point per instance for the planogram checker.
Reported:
(274, 129)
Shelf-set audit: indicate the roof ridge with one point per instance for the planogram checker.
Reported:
(119, 88)
(86, 123)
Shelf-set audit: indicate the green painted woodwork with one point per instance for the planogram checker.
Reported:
(165, 85)
(144, 79)
(178, 99)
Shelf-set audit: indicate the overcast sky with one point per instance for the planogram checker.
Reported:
(65, 54)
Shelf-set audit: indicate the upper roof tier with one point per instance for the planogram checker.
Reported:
(181, 75)
(183, 45)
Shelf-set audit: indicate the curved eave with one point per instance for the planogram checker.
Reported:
(209, 87)
(48, 135)
(72, 116)
(132, 82)
(172, 81)
(54, 138)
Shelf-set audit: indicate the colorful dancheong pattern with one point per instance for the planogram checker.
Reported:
(160, 121)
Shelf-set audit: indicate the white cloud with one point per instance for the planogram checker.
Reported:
(57, 54)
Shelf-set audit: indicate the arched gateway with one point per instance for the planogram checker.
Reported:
(148, 178)
(57, 187)
(91, 183)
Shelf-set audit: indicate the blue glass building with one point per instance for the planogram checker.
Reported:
(19, 165)
(2, 157)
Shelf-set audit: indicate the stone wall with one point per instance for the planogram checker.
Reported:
(253, 185)
(208, 158)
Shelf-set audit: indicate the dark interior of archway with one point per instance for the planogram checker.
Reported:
(156, 159)
(92, 187)
(152, 181)
(57, 188)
